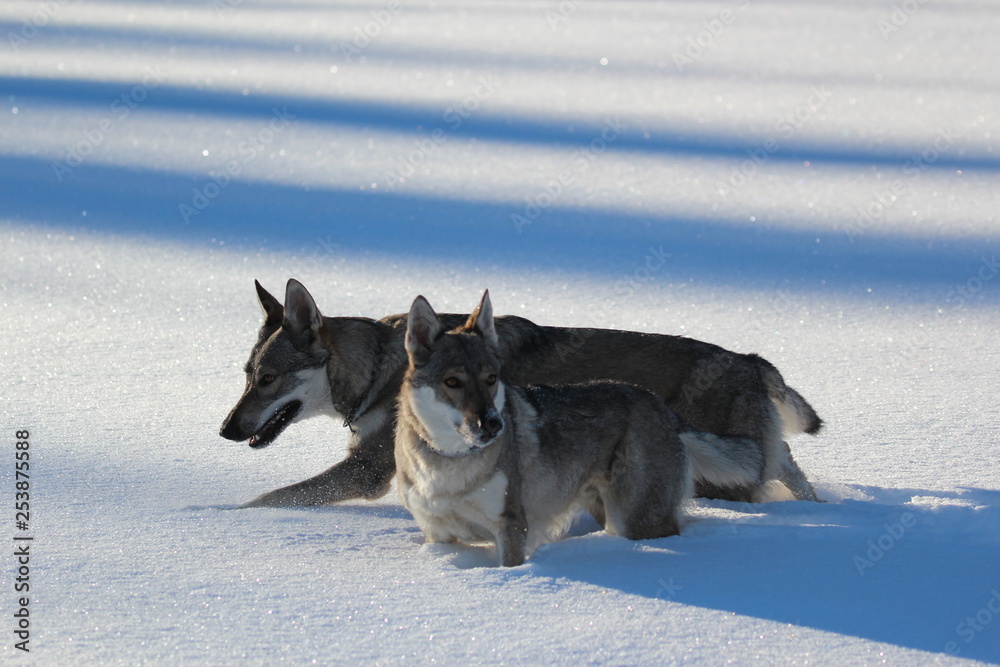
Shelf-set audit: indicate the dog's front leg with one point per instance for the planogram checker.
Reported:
(512, 537)
(354, 477)
(366, 473)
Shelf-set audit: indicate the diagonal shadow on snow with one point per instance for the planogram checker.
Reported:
(888, 568)
(94, 37)
(606, 244)
(421, 120)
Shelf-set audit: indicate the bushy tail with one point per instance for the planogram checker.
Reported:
(724, 462)
(796, 413)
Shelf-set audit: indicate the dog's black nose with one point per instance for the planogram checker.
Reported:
(230, 429)
(491, 423)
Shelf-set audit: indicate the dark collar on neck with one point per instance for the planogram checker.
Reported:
(364, 402)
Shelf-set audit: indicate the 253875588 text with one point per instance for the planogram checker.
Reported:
(22, 539)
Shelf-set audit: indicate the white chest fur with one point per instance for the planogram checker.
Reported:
(451, 498)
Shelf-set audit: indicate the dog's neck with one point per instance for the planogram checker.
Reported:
(361, 366)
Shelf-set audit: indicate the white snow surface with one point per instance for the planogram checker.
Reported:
(684, 167)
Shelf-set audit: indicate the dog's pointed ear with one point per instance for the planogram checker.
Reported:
(422, 329)
(274, 312)
(481, 320)
(302, 319)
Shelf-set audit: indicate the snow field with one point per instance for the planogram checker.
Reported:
(817, 184)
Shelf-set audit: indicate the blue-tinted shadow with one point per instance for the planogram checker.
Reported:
(421, 120)
(290, 218)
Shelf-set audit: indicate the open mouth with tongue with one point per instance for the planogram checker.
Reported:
(275, 425)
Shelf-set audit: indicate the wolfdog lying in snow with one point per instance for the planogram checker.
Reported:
(305, 364)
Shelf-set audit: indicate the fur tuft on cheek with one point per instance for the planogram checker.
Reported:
(501, 397)
(443, 425)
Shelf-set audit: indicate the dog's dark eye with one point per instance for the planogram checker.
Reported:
(266, 380)
(491, 380)
(453, 382)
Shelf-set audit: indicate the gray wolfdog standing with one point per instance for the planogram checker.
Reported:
(476, 459)
(351, 368)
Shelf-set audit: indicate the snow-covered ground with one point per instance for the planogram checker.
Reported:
(813, 181)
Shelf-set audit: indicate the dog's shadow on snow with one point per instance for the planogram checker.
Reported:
(900, 566)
